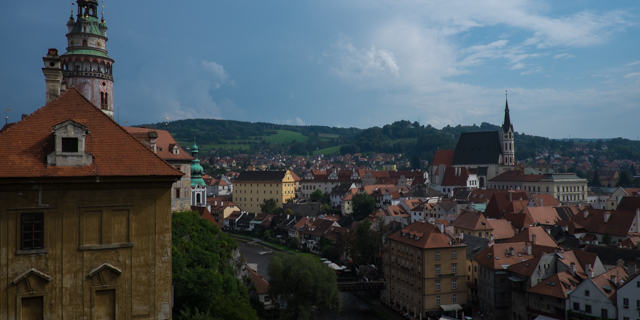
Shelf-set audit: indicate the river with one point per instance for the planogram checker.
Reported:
(353, 307)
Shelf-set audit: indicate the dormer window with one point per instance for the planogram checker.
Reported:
(69, 144)
(69, 137)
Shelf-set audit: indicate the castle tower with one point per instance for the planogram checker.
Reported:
(86, 64)
(506, 138)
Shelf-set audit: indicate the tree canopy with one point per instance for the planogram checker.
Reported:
(300, 283)
(268, 206)
(205, 284)
(363, 205)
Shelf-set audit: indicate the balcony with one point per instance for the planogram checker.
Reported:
(73, 74)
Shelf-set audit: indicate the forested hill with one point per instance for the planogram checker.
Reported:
(417, 141)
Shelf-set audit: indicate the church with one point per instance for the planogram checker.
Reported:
(477, 158)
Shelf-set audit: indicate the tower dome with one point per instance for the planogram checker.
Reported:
(86, 64)
(196, 168)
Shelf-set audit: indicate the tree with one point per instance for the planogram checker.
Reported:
(363, 205)
(301, 282)
(205, 285)
(624, 180)
(595, 181)
(316, 196)
(268, 206)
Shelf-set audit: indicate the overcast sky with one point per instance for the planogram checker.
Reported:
(572, 68)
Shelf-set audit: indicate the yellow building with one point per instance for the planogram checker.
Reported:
(426, 271)
(85, 218)
(251, 188)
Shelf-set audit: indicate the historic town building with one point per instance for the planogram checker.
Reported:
(251, 188)
(426, 271)
(85, 218)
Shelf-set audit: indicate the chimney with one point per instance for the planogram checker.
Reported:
(511, 251)
(631, 268)
(607, 215)
(533, 238)
(440, 227)
(588, 271)
(52, 74)
(528, 249)
(572, 268)
(541, 202)
(510, 197)
(585, 214)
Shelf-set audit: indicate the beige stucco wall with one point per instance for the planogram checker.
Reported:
(124, 223)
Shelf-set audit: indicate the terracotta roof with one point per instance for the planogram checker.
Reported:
(204, 213)
(262, 286)
(397, 211)
(605, 281)
(502, 229)
(500, 203)
(499, 257)
(548, 200)
(518, 220)
(525, 268)
(518, 176)
(444, 157)
(422, 235)
(452, 179)
(24, 146)
(558, 285)
(164, 143)
(541, 237)
(261, 176)
(629, 203)
(618, 223)
(471, 221)
(542, 215)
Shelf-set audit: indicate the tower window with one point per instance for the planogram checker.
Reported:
(85, 43)
(69, 144)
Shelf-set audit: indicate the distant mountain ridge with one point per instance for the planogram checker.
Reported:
(416, 141)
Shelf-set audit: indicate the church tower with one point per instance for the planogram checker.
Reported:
(506, 139)
(86, 64)
(198, 187)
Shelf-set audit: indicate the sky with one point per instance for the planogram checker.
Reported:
(571, 68)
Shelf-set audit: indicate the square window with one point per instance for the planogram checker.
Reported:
(32, 227)
(69, 144)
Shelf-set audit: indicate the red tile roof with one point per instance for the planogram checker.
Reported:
(502, 229)
(469, 220)
(422, 235)
(558, 285)
(164, 143)
(618, 223)
(527, 235)
(25, 145)
(443, 157)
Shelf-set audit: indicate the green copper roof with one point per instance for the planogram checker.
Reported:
(71, 22)
(93, 26)
(87, 52)
(196, 169)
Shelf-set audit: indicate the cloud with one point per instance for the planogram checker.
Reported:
(358, 64)
(563, 56)
(215, 70)
(299, 122)
(632, 63)
(532, 71)
(632, 75)
(517, 66)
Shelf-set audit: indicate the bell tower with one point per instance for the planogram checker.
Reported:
(506, 138)
(86, 64)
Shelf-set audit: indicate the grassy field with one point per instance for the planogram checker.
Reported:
(329, 150)
(328, 135)
(286, 136)
(278, 245)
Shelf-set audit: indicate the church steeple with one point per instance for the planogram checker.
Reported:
(507, 138)
(506, 124)
(198, 187)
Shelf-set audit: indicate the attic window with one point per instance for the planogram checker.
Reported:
(69, 144)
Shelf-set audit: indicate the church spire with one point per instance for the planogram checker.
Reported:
(506, 124)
